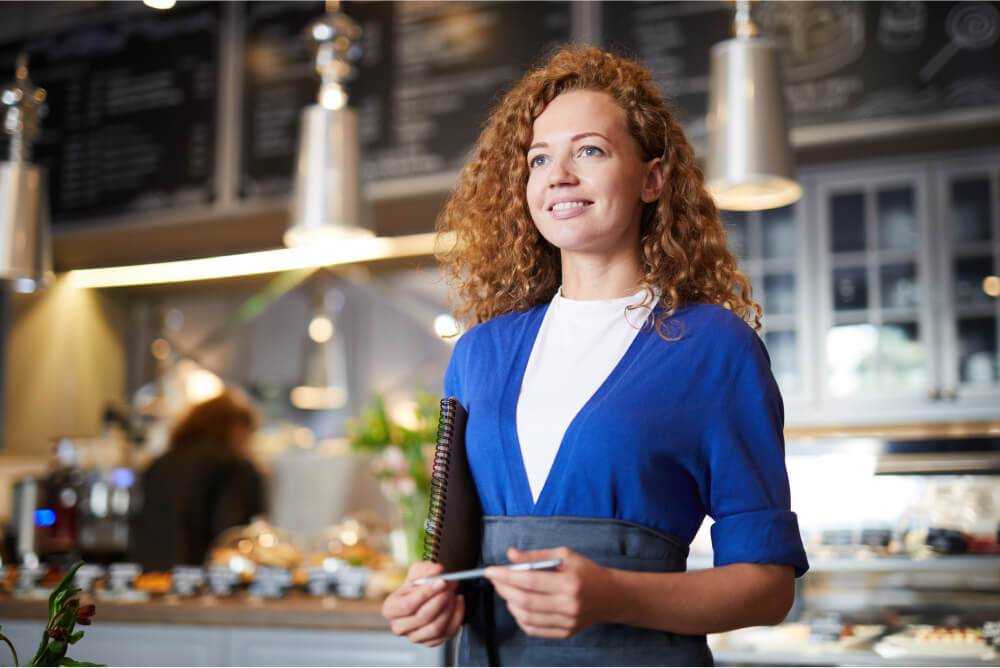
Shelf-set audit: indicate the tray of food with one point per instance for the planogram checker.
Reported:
(925, 641)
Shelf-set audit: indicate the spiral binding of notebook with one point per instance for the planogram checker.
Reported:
(434, 525)
(454, 526)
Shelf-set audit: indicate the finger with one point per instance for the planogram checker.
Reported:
(542, 582)
(406, 601)
(545, 603)
(541, 632)
(418, 570)
(421, 569)
(404, 626)
(457, 617)
(434, 627)
(541, 620)
(518, 556)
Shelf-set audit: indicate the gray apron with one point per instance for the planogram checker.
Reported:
(490, 636)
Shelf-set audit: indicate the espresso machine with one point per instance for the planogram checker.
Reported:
(72, 512)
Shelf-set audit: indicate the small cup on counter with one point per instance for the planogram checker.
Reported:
(87, 576)
(271, 582)
(352, 581)
(222, 580)
(187, 580)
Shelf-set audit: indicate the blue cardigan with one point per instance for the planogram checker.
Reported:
(678, 430)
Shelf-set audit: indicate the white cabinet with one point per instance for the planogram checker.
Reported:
(180, 645)
(769, 246)
(969, 240)
(879, 290)
(877, 332)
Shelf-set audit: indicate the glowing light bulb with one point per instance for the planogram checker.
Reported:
(321, 329)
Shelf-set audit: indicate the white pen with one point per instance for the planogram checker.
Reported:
(480, 572)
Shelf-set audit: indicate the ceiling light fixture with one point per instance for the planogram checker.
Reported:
(327, 201)
(325, 385)
(750, 165)
(25, 254)
(354, 251)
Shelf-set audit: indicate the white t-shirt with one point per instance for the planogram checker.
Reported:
(579, 344)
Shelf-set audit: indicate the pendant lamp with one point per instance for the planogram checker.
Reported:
(750, 165)
(325, 385)
(327, 200)
(25, 254)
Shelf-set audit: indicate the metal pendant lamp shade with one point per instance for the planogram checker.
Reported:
(750, 165)
(325, 382)
(327, 199)
(25, 251)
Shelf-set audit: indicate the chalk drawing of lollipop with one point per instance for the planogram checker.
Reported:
(970, 26)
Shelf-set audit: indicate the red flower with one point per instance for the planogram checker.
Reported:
(85, 613)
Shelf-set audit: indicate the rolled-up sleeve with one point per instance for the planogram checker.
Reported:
(748, 495)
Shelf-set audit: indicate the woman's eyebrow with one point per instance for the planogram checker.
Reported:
(578, 137)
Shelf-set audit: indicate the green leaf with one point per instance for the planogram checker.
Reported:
(75, 637)
(52, 655)
(59, 593)
(41, 648)
(66, 661)
(11, 646)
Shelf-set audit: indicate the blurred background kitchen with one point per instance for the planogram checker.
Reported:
(243, 194)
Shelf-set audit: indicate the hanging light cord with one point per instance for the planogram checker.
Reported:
(743, 26)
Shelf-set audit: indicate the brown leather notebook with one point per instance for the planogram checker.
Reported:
(454, 526)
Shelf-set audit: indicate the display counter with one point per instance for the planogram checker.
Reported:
(232, 631)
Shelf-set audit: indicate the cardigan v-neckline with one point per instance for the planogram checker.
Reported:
(517, 474)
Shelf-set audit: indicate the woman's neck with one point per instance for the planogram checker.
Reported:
(590, 277)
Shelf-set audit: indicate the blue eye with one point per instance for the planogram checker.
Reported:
(536, 161)
(591, 151)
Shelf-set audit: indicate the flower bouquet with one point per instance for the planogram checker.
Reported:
(401, 460)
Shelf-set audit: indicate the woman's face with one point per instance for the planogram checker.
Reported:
(587, 181)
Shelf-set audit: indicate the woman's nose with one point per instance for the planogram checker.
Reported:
(561, 173)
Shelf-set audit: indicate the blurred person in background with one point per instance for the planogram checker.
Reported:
(204, 484)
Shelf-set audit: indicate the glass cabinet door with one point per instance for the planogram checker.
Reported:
(970, 216)
(876, 287)
(768, 245)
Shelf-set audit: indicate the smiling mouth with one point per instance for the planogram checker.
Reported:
(569, 206)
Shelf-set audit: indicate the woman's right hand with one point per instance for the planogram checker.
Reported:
(429, 613)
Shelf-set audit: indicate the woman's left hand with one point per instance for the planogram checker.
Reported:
(559, 603)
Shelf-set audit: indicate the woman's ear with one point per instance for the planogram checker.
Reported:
(652, 184)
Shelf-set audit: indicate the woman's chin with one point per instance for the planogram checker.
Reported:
(589, 246)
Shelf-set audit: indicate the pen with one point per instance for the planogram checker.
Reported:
(480, 572)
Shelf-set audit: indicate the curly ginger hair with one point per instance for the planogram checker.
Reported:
(500, 262)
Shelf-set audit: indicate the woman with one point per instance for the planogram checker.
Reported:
(204, 484)
(616, 393)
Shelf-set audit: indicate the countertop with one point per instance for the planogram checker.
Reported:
(293, 612)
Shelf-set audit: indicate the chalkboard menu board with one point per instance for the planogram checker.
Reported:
(843, 61)
(131, 112)
(429, 77)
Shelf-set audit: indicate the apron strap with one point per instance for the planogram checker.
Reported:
(492, 649)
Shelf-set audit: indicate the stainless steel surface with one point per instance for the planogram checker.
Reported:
(25, 251)
(749, 165)
(327, 200)
(25, 255)
(26, 496)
